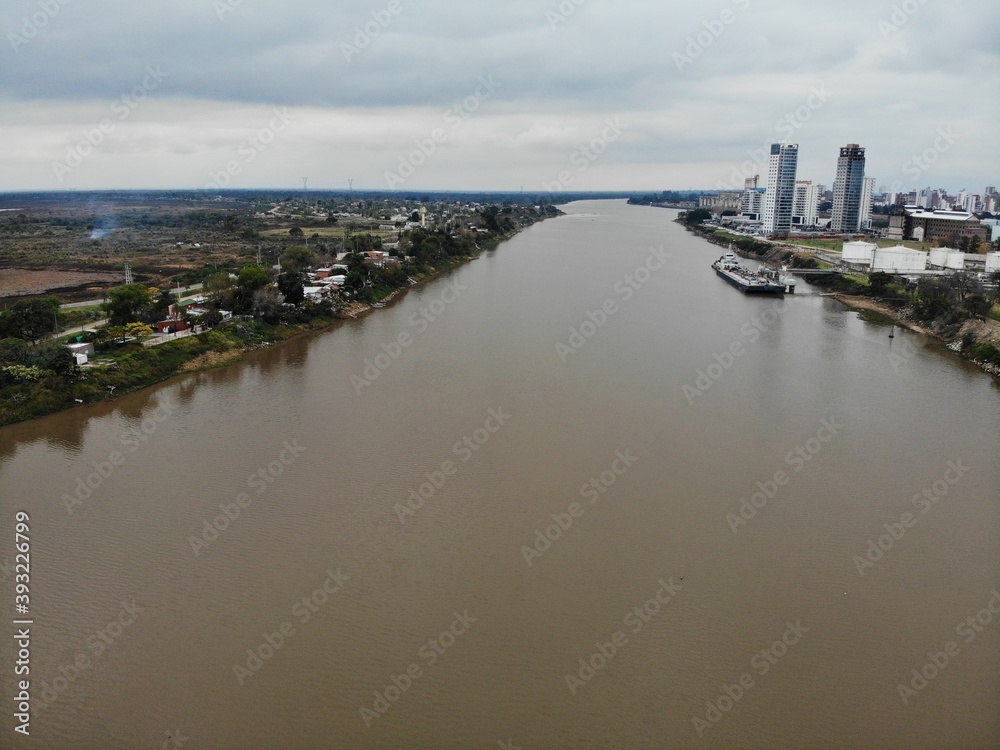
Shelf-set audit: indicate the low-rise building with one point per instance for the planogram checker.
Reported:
(927, 226)
(723, 201)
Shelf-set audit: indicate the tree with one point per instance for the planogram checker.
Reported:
(160, 308)
(252, 278)
(297, 259)
(211, 319)
(51, 355)
(217, 282)
(295, 232)
(249, 281)
(32, 319)
(138, 330)
(697, 216)
(354, 281)
(879, 282)
(962, 283)
(291, 285)
(266, 304)
(977, 304)
(995, 280)
(490, 214)
(14, 351)
(127, 303)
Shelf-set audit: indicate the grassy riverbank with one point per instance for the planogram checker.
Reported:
(40, 379)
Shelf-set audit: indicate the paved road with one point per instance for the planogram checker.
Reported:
(92, 302)
(80, 329)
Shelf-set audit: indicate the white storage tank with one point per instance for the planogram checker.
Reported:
(899, 259)
(939, 257)
(955, 261)
(859, 253)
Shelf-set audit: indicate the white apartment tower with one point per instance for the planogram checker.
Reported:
(806, 204)
(780, 193)
(867, 197)
(848, 189)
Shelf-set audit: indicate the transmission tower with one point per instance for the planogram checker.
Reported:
(128, 274)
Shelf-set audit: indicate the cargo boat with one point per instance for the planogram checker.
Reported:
(747, 281)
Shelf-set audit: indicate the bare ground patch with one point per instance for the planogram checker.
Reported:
(17, 282)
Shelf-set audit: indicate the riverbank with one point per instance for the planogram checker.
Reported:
(30, 392)
(974, 339)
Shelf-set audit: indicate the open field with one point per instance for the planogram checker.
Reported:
(20, 282)
(332, 232)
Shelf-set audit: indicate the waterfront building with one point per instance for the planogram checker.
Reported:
(867, 198)
(780, 192)
(848, 189)
(805, 206)
(927, 226)
(722, 201)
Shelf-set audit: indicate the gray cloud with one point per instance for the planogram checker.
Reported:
(751, 64)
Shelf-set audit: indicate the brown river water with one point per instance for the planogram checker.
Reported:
(577, 493)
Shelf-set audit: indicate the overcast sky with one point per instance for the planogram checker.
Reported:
(501, 95)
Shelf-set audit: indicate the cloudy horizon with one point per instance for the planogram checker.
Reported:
(572, 95)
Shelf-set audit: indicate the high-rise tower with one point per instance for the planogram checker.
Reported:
(780, 194)
(848, 190)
